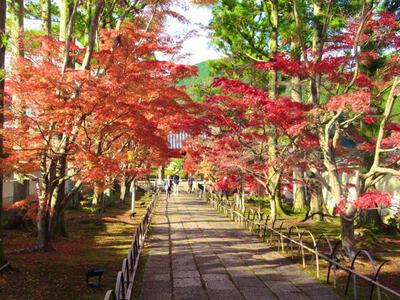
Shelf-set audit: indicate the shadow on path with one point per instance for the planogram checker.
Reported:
(194, 253)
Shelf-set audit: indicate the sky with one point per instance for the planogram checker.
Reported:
(197, 47)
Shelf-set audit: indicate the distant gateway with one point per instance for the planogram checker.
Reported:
(176, 140)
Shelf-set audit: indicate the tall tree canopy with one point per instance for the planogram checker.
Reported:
(340, 58)
(94, 104)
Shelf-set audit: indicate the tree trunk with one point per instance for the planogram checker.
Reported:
(161, 173)
(2, 67)
(124, 188)
(17, 27)
(161, 177)
(43, 242)
(273, 48)
(296, 89)
(316, 203)
(58, 218)
(299, 193)
(103, 203)
(45, 15)
(96, 199)
(236, 200)
(75, 198)
(334, 179)
(278, 204)
(88, 15)
(3, 259)
(125, 185)
(64, 17)
(243, 197)
(20, 188)
(44, 192)
(133, 195)
(94, 24)
(60, 229)
(295, 53)
(347, 232)
(273, 93)
(57, 197)
(273, 212)
(316, 46)
(108, 194)
(347, 218)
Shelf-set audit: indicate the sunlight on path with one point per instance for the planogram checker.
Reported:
(194, 253)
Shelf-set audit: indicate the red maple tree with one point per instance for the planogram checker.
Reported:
(93, 125)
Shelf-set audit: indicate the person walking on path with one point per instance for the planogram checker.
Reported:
(168, 187)
(175, 180)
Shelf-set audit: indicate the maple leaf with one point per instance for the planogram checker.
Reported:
(358, 102)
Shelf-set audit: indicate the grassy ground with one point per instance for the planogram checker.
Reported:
(380, 244)
(94, 241)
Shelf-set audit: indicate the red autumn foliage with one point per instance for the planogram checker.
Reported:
(237, 146)
(372, 199)
(282, 62)
(331, 136)
(358, 102)
(27, 206)
(369, 120)
(227, 183)
(132, 101)
(94, 126)
(367, 201)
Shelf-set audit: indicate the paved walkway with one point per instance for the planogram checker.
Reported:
(195, 253)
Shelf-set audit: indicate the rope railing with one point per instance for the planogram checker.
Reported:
(125, 278)
(272, 233)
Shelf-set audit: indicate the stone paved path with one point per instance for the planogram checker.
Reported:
(195, 253)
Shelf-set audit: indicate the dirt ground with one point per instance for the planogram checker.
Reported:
(93, 241)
